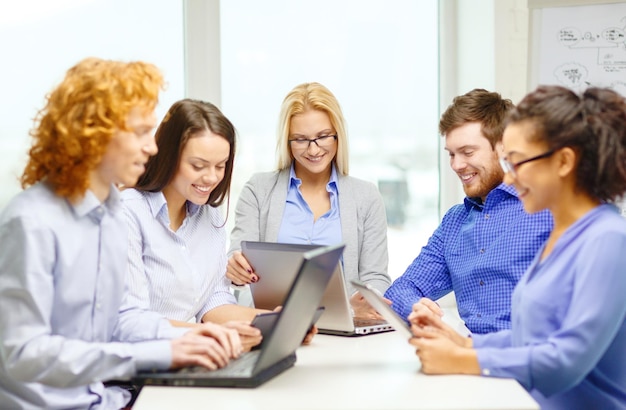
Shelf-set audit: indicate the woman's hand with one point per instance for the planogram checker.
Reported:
(426, 318)
(440, 355)
(250, 336)
(440, 348)
(309, 335)
(308, 338)
(239, 270)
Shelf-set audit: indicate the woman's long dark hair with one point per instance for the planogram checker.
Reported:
(183, 120)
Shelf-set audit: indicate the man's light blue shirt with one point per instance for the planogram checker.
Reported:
(479, 251)
(567, 344)
(62, 278)
(299, 224)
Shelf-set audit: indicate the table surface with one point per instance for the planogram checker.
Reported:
(333, 372)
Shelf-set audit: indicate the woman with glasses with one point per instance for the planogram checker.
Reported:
(311, 199)
(566, 153)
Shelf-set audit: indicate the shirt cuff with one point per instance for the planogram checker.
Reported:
(153, 355)
(167, 331)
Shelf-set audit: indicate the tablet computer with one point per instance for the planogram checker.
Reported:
(378, 303)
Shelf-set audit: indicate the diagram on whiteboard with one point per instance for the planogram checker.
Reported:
(584, 46)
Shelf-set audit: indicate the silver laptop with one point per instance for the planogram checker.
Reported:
(383, 308)
(274, 264)
(277, 352)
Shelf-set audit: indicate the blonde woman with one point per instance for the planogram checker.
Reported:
(311, 199)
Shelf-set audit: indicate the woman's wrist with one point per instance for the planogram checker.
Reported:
(468, 361)
(469, 343)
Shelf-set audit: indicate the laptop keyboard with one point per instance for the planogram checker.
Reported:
(368, 322)
(239, 367)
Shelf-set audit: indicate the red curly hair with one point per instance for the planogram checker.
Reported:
(73, 130)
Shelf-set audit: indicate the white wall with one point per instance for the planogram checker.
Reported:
(483, 43)
(487, 47)
(41, 39)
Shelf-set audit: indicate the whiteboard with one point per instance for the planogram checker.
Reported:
(578, 44)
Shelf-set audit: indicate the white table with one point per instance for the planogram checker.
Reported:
(369, 372)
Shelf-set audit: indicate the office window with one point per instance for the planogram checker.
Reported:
(41, 39)
(379, 57)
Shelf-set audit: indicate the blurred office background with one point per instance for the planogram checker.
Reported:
(393, 64)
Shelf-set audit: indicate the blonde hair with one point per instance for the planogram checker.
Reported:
(73, 130)
(303, 98)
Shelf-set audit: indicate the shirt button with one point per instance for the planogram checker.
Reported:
(482, 251)
(487, 216)
(486, 372)
(482, 283)
(479, 315)
(97, 306)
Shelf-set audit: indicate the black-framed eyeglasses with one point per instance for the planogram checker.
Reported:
(322, 141)
(510, 167)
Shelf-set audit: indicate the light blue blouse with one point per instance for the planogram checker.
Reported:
(299, 225)
(178, 274)
(62, 271)
(567, 344)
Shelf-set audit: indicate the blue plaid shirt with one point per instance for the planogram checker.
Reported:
(479, 251)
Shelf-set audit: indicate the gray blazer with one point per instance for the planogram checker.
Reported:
(259, 214)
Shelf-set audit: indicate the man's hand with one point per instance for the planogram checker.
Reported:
(362, 309)
(208, 345)
(430, 305)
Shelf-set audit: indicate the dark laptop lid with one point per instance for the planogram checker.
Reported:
(277, 352)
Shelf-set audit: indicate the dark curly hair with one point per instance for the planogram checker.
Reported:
(592, 123)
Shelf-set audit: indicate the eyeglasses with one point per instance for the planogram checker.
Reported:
(508, 166)
(323, 141)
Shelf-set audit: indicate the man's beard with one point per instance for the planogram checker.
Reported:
(487, 182)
